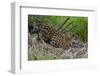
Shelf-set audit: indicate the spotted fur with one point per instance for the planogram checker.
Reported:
(53, 37)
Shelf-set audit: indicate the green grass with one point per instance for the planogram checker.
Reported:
(80, 23)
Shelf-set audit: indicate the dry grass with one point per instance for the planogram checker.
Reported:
(41, 51)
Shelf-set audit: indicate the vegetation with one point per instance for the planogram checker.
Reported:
(80, 24)
(76, 25)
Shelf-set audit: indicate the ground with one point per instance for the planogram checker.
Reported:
(42, 51)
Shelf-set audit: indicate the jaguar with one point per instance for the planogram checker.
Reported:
(55, 37)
